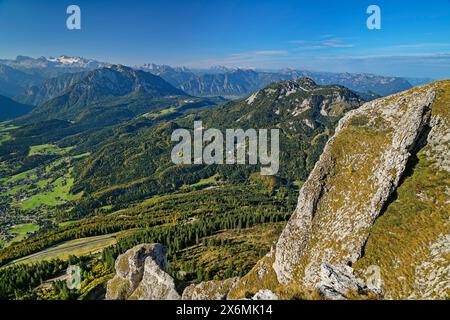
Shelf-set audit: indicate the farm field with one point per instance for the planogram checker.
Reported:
(47, 149)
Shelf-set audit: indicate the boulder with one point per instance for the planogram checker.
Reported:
(140, 265)
(337, 282)
(265, 295)
(156, 284)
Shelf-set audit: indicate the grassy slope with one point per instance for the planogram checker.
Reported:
(7, 126)
(21, 231)
(400, 239)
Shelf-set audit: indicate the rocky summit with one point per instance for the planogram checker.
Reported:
(383, 176)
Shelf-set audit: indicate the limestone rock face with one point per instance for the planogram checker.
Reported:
(141, 274)
(265, 295)
(130, 269)
(338, 281)
(335, 209)
(356, 208)
(156, 284)
(210, 290)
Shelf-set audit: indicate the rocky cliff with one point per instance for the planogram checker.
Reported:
(373, 217)
(141, 275)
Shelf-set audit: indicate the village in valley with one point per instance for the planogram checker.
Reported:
(30, 199)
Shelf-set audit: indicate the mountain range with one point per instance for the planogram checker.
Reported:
(237, 82)
(23, 77)
(14, 81)
(51, 67)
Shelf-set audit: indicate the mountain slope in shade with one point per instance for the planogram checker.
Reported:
(13, 82)
(104, 92)
(50, 88)
(10, 109)
(372, 219)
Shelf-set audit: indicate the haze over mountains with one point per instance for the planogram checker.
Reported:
(34, 81)
(50, 67)
(234, 82)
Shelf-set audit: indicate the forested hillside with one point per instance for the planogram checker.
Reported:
(71, 182)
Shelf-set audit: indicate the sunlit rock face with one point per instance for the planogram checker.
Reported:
(378, 199)
(141, 274)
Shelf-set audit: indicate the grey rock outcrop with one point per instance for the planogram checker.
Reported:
(141, 274)
(400, 124)
(265, 295)
(156, 284)
(210, 290)
(338, 281)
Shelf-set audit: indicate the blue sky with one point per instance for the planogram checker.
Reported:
(317, 35)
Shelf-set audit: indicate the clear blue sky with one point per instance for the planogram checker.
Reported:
(317, 35)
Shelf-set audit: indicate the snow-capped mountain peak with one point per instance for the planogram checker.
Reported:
(65, 60)
(75, 62)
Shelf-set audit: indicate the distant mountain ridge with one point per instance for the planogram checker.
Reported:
(363, 82)
(235, 82)
(53, 66)
(14, 81)
(18, 75)
(37, 80)
(104, 92)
